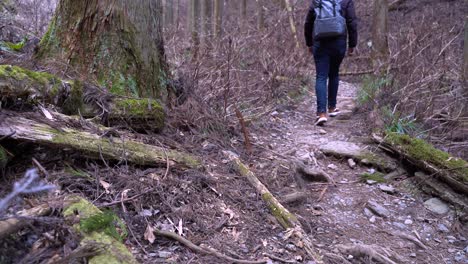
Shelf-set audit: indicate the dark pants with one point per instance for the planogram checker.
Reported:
(328, 55)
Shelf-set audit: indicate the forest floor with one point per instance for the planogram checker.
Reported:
(218, 208)
(233, 219)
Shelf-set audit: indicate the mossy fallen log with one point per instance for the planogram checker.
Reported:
(441, 165)
(287, 220)
(103, 230)
(95, 146)
(75, 97)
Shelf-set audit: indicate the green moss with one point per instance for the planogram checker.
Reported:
(21, 74)
(138, 110)
(74, 102)
(107, 222)
(13, 46)
(49, 41)
(421, 150)
(285, 218)
(95, 225)
(377, 177)
(135, 152)
(80, 206)
(377, 161)
(3, 158)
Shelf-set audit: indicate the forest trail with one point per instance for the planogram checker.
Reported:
(345, 214)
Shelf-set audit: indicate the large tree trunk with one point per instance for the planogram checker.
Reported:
(119, 43)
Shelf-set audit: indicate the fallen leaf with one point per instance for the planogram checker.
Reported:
(179, 228)
(149, 234)
(105, 185)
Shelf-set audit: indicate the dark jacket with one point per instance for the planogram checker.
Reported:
(347, 11)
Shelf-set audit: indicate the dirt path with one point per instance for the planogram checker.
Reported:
(341, 217)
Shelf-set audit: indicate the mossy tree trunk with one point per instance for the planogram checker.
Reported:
(116, 42)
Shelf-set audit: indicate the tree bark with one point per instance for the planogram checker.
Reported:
(380, 49)
(206, 15)
(195, 27)
(292, 23)
(116, 42)
(218, 18)
(465, 64)
(260, 15)
(119, 149)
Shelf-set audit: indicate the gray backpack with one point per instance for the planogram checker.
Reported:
(329, 22)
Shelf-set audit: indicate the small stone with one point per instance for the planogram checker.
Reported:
(274, 113)
(442, 228)
(413, 255)
(451, 239)
(371, 182)
(372, 219)
(371, 171)
(351, 163)
(460, 258)
(408, 222)
(322, 132)
(387, 189)
(437, 206)
(368, 212)
(399, 225)
(378, 209)
(452, 250)
(164, 254)
(466, 249)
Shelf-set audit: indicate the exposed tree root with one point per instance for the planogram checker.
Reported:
(288, 220)
(373, 252)
(204, 250)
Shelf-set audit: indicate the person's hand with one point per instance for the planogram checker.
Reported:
(350, 52)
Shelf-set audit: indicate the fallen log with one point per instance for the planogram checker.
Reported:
(286, 219)
(432, 186)
(13, 224)
(97, 147)
(446, 168)
(75, 97)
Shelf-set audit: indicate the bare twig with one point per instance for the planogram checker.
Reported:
(204, 250)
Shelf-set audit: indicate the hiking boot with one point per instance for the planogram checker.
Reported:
(333, 112)
(321, 119)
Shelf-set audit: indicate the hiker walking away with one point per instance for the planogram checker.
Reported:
(326, 28)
